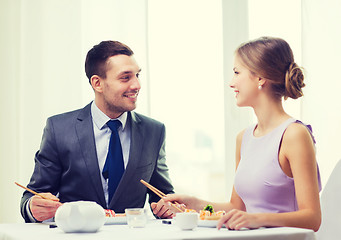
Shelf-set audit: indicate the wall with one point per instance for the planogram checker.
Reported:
(43, 47)
(321, 105)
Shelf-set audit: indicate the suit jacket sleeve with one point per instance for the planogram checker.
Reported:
(66, 164)
(160, 178)
(46, 171)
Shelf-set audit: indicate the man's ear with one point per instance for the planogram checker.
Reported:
(96, 83)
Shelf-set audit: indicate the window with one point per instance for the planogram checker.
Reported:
(187, 91)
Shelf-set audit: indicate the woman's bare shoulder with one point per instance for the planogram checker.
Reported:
(296, 131)
(240, 136)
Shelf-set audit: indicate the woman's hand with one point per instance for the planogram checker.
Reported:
(237, 219)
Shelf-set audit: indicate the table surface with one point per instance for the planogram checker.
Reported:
(154, 229)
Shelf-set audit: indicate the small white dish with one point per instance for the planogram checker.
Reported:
(186, 220)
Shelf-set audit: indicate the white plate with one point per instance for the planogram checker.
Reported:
(115, 220)
(207, 223)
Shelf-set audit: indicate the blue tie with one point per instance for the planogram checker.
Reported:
(114, 166)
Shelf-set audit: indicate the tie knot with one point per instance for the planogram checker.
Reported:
(114, 124)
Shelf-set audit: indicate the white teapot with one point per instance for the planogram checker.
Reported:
(80, 216)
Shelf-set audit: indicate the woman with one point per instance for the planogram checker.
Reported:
(277, 179)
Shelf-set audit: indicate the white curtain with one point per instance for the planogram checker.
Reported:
(235, 31)
(43, 47)
(321, 105)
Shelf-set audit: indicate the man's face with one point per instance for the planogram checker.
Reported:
(119, 90)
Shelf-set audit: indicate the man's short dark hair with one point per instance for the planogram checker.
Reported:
(96, 59)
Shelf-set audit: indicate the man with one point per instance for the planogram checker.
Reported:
(71, 163)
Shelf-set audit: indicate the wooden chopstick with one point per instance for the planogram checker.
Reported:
(159, 193)
(154, 189)
(34, 192)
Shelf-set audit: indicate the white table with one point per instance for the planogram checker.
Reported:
(154, 230)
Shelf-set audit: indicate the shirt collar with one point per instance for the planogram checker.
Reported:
(100, 119)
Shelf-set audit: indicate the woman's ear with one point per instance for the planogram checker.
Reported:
(261, 81)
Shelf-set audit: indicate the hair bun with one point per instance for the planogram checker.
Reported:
(294, 81)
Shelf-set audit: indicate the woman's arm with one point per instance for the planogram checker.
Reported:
(298, 151)
(297, 159)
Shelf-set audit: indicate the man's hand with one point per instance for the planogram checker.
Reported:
(162, 209)
(43, 209)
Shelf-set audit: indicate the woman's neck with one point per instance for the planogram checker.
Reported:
(270, 114)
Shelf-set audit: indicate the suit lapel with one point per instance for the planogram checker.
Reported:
(134, 155)
(84, 129)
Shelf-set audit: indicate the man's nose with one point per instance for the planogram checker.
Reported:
(136, 83)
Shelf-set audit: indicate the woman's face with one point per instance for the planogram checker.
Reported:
(244, 83)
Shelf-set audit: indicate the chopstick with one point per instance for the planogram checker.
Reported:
(154, 189)
(159, 193)
(31, 191)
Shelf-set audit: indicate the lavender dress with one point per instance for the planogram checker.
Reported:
(259, 180)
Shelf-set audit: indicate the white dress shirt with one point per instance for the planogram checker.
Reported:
(102, 135)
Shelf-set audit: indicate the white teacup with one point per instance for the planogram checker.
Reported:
(187, 220)
(80, 216)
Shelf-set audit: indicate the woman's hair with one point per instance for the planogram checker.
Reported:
(272, 58)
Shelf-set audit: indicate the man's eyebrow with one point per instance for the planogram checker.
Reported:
(129, 72)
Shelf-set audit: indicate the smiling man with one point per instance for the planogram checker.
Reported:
(83, 157)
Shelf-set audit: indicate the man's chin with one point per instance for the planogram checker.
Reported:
(131, 107)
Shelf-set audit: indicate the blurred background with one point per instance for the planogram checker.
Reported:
(185, 49)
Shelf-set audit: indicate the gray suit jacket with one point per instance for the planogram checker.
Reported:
(66, 164)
